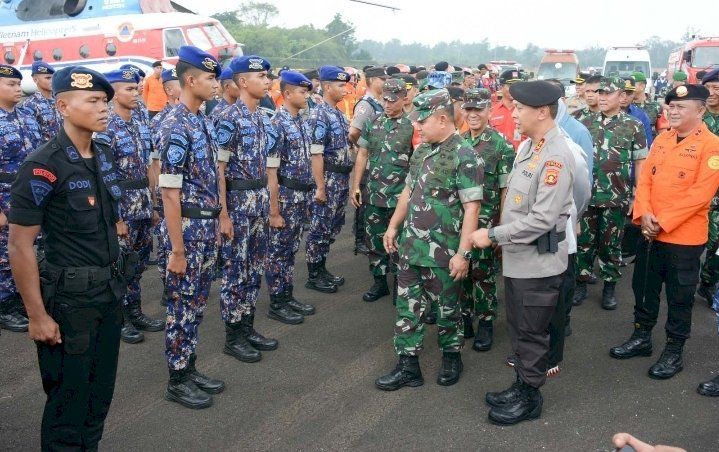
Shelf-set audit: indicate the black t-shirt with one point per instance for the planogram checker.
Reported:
(74, 200)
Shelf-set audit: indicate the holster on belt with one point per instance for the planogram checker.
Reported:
(549, 241)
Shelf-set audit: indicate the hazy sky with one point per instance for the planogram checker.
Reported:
(545, 23)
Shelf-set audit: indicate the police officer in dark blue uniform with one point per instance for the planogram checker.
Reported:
(41, 103)
(68, 188)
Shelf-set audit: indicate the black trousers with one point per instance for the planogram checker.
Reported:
(631, 238)
(78, 375)
(560, 319)
(676, 267)
(530, 305)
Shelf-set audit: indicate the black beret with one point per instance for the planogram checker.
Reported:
(79, 78)
(482, 66)
(7, 71)
(375, 72)
(687, 92)
(413, 69)
(441, 66)
(535, 94)
(311, 74)
(392, 70)
(455, 93)
(510, 76)
(711, 76)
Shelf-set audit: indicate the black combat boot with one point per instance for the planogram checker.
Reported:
(394, 290)
(183, 390)
(329, 277)
(501, 398)
(406, 373)
(280, 311)
(202, 381)
(467, 323)
(670, 362)
(315, 280)
(296, 305)
(12, 316)
(451, 369)
(129, 333)
(609, 301)
(592, 279)
(526, 407)
(143, 322)
(255, 339)
(485, 335)
(237, 346)
(378, 290)
(580, 293)
(709, 388)
(639, 344)
(706, 291)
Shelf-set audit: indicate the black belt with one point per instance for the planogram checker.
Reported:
(294, 184)
(93, 274)
(246, 184)
(332, 168)
(7, 178)
(198, 213)
(135, 184)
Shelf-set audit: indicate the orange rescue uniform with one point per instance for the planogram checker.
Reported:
(677, 183)
(501, 120)
(347, 104)
(154, 94)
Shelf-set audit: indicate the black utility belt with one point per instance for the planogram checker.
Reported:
(246, 184)
(200, 214)
(332, 168)
(294, 184)
(135, 184)
(549, 241)
(70, 275)
(7, 178)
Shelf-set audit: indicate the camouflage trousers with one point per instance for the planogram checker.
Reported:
(283, 246)
(327, 219)
(8, 291)
(139, 240)
(187, 298)
(376, 223)
(243, 263)
(710, 269)
(161, 254)
(418, 288)
(479, 294)
(601, 236)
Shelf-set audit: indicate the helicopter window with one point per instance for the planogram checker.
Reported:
(215, 35)
(37, 55)
(31, 10)
(198, 38)
(173, 41)
(9, 57)
(110, 49)
(57, 54)
(84, 51)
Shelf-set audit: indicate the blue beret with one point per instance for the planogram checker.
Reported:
(199, 59)
(249, 63)
(296, 79)
(134, 68)
(333, 74)
(168, 75)
(41, 67)
(79, 78)
(9, 72)
(711, 76)
(122, 76)
(226, 74)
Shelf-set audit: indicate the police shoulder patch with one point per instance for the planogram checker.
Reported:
(223, 136)
(320, 130)
(39, 190)
(175, 154)
(551, 176)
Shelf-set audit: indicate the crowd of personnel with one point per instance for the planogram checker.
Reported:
(456, 175)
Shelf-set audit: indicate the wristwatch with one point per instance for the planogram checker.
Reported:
(467, 255)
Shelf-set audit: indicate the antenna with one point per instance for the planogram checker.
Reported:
(376, 4)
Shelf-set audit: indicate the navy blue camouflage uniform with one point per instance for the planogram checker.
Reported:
(45, 113)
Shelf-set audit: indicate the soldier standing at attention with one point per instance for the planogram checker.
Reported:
(230, 93)
(247, 157)
(41, 104)
(578, 102)
(20, 136)
(619, 140)
(534, 250)
(131, 143)
(329, 139)
(190, 201)
(480, 289)
(439, 208)
(67, 188)
(385, 147)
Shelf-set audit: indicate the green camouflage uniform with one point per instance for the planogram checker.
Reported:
(618, 141)
(442, 176)
(653, 110)
(583, 114)
(389, 146)
(710, 269)
(480, 290)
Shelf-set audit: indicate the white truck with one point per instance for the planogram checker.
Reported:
(622, 61)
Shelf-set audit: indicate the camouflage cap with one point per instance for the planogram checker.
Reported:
(679, 76)
(458, 77)
(394, 89)
(479, 98)
(639, 77)
(611, 84)
(429, 102)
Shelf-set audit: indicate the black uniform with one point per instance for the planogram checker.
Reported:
(75, 200)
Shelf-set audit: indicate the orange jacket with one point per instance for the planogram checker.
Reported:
(154, 93)
(347, 104)
(677, 183)
(500, 118)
